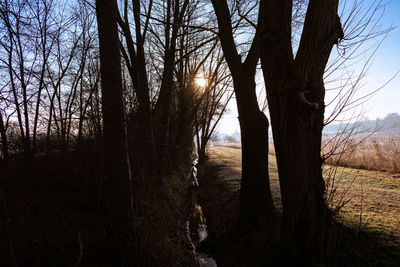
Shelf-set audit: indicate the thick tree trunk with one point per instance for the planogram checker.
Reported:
(296, 93)
(256, 204)
(117, 180)
(297, 137)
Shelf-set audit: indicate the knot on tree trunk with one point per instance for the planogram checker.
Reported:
(308, 99)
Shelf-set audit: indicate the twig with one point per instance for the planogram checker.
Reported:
(361, 207)
(78, 262)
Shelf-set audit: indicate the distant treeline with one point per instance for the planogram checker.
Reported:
(391, 123)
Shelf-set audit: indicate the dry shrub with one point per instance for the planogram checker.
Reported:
(235, 144)
(379, 152)
(271, 148)
(336, 187)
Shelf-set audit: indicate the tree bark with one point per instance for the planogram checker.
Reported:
(256, 202)
(295, 92)
(117, 175)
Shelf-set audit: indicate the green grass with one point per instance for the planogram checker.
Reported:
(372, 198)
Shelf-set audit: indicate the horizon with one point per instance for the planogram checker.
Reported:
(334, 127)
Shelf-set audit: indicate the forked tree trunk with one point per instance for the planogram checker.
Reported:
(117, 175)
(256, 204)
(296, 93)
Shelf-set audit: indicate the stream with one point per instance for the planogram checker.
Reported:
(196, 226)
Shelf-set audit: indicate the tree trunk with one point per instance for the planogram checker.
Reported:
(295, 92)
(4, 141)
(297, 137)
(48, 132)
(256, 202)
(117, 175)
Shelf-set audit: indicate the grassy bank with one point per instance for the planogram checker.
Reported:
(57, 218)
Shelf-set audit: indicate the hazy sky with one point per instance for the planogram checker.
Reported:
(386, 63)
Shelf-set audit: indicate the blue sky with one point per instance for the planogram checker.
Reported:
(385, 64)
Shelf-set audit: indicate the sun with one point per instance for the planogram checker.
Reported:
(201, 82)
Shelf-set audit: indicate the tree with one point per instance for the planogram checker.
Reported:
(295, 92)
(3, 135)
(39, 42)
(198, 60)
(64, 77)
(216, 98)
(25, 53)
(153, 129)
(117, 175)
(255, 195)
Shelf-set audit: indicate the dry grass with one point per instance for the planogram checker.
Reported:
(229, 144)
(377, 152)
(230, 161)
(372, 198)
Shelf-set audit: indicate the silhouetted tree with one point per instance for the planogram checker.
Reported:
(25, 50)
(117, 176)
(255, 194)
(295, 91)
(214, 102)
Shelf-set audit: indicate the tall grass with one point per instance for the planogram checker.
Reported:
(380, 152)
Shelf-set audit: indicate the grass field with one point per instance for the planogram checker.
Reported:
(372, 198)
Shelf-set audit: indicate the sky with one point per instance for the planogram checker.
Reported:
(384, 66)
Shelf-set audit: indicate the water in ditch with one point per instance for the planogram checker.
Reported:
(196, 225)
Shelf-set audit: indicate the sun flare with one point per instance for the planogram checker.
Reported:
(201, 82)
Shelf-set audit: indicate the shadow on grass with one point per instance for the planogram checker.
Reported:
(259, 246)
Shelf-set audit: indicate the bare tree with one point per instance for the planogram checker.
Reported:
(255, 194)
(214, 101)
(295, 92)
(16, 52)
(117, 173)
(32, 28)
(64, 91)
(152, 129)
